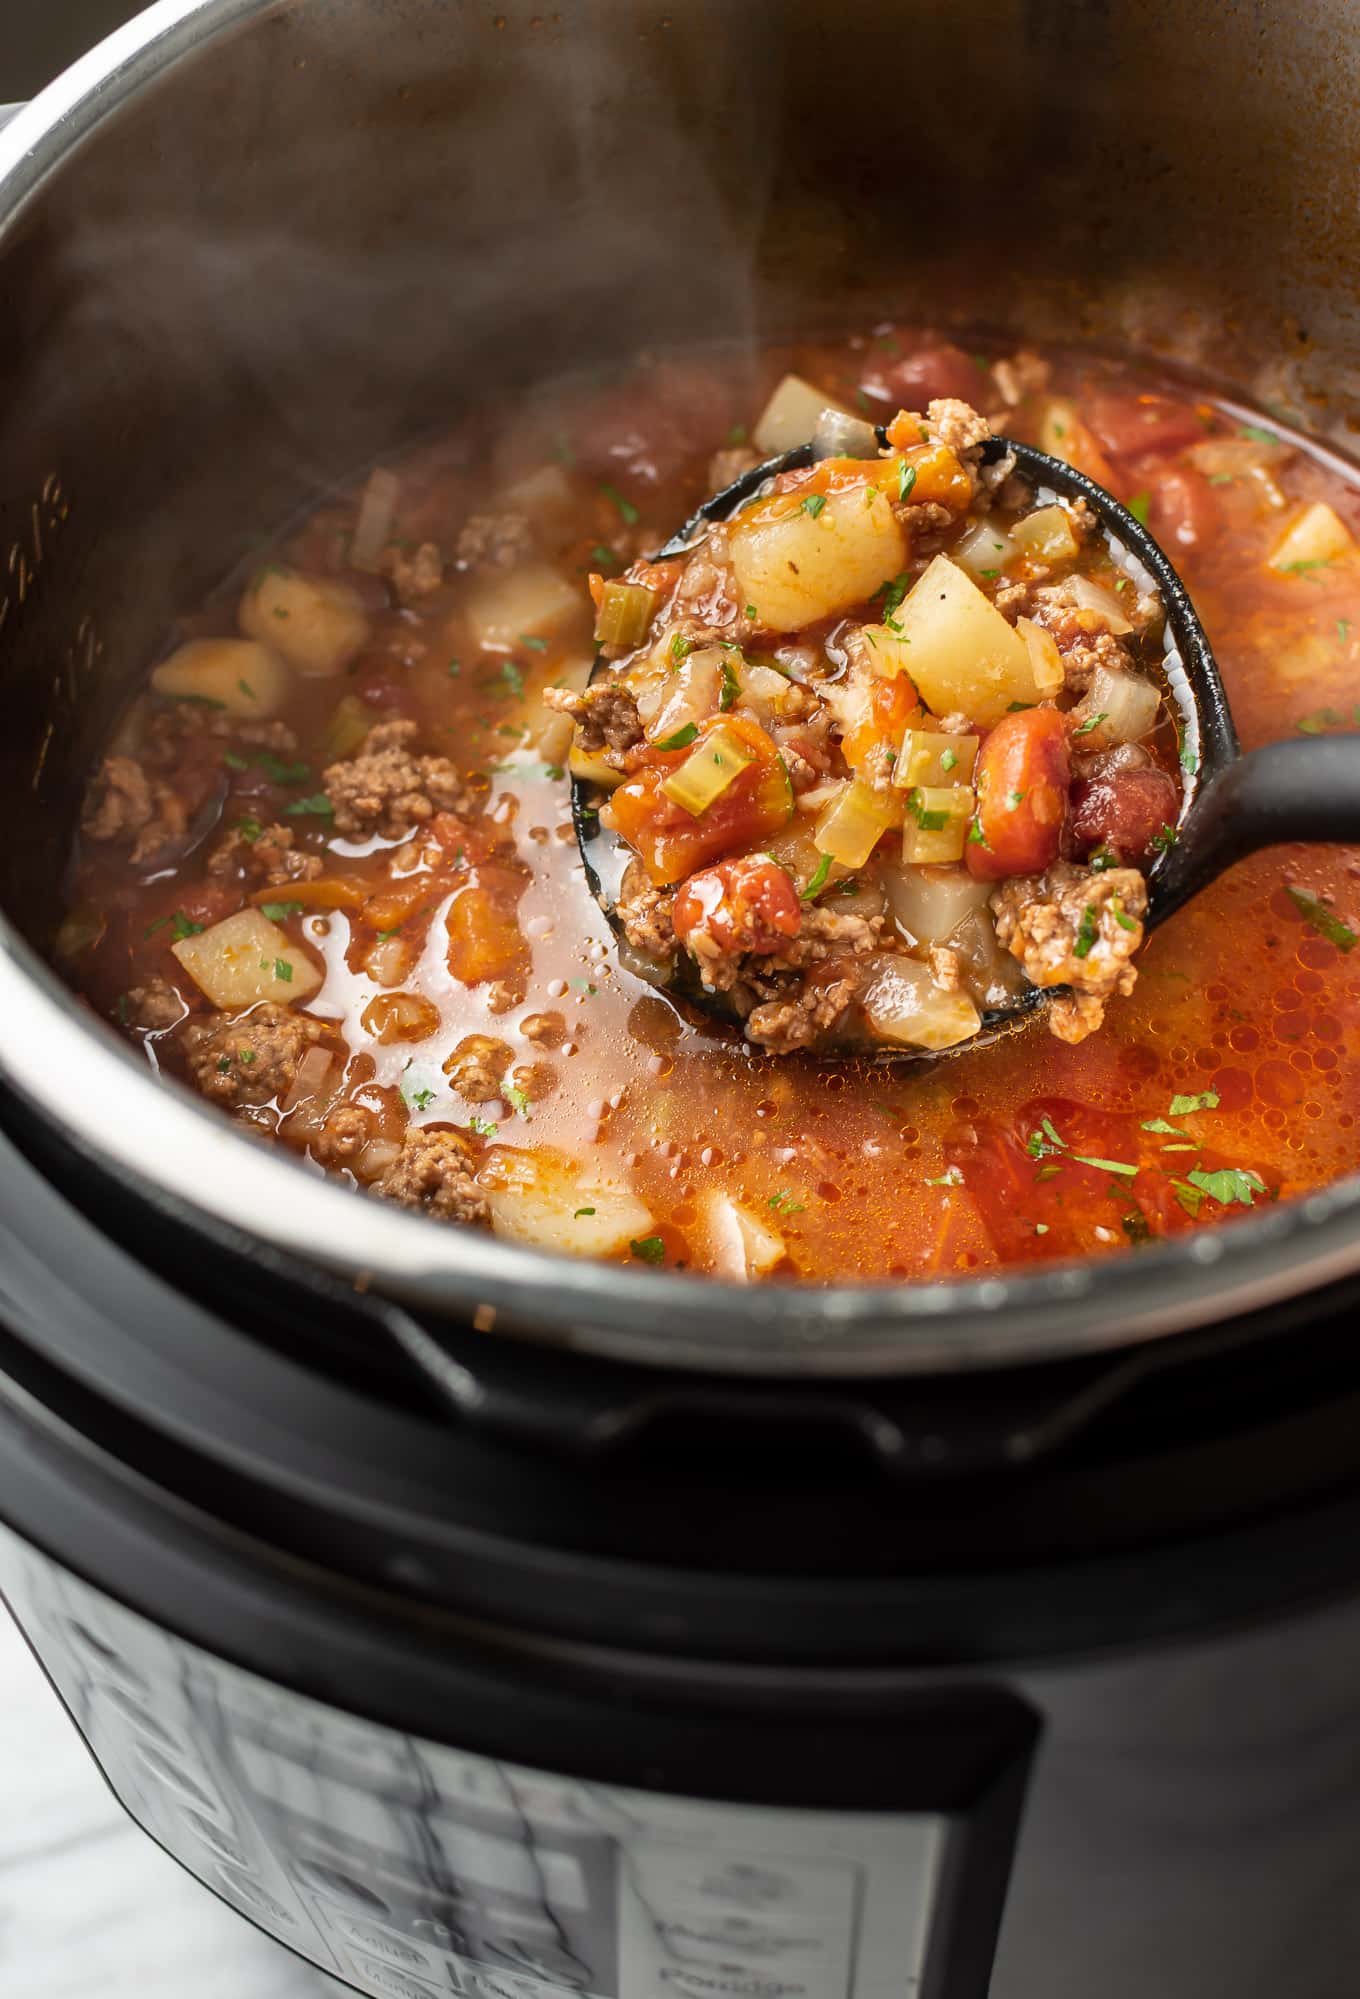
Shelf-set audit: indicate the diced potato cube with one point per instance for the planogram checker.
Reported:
(1318, 536)
(539, 1197)
(964, 657)
(936, 825)
(929, 758)
(246, 959)
(318, 623)
(741, 1243)
(544, 496)
(930, 903)
(885, 652)
(984, 550)
(532, 599)
(794, 567)
(1046, 535)
(790, 416)
(246, 679)
(904, 1004)
(1050, 676)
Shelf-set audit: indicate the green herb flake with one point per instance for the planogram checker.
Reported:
(1124, 921)
(1044, 1141)
(582, 1211)
(626, 510)
(604, 555)
(1120, 1166)
(455, 668)
(1086, 933)
(1041, 1228)
(681, 647)
(245, 688)
(1318, 721)
(1189, 760)
(680, 738)
(483, 1126)
(1164, 841)
(245, 1056)
(235, 762)
(1207, 1100)
(1091, 722)
(893, 592)
(1343, 629)
(1019, 707)
(738, 434)
(1323, 920)
(1160, 1124)
(251, 829)
(182, 926)
(223, 1064)
(906, 479)
(1102, 859)
(991, 572)
(929, 822)
(814, 503)
(517, 1100)
(1140, 506)
(731, 687)
(1190, 1198)
(513, 676)
(318, 806)
(1015, 799)
(648, 1249)
(1049, 1172)
(948, 760)
(951, 1177)
(283, 971)
(809, 894)
(279, 912)
(1303, 568)
(976, 836)
(785, 1204)
(752, 613)
(1231, 1184)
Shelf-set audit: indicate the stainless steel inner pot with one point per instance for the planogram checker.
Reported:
(249, 244)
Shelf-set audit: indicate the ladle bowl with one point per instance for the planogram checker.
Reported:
(1232, 802)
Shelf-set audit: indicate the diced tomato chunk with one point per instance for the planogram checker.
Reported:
(673, 842)
(926, 373)
(1183, 511)
(1129, 425)
(1124, 812)
(749, 904)
(1023, 775)
(485, 941)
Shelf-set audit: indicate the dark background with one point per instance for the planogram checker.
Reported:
(38, 40)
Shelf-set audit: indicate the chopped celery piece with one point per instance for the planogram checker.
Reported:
(984, 550)
(851, 825)
(347, 728)
(1046, 535)
(936, 824)
(592, 769)
(705, 775)
(928, 758)
(624, 614)
(1050, 676)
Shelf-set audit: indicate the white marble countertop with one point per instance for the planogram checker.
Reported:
(89, 1907)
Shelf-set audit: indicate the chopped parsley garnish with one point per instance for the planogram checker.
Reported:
(421, 1098)
(235, 762)
(991, 572)
(245, 688)
(1164, 841)
(1343, 629)
(517, 1100)
(785, 1203)
(152, 928)
(951, 1177)
(731, 687)
(627, 511)
(223, 1064)
(1120, 1166)
(1019, 707)
(893, 593)
(752, 613)
(582, 1211)
(1159, 1124)
(681, 647)
(814, 504)
(1323, 920)
(1086, 933)
(513, 676)
(1258, 434)
(1124, 921)
(738, 434)
(678, 740)
(455, 668)
(1103, 858)
(648, 1249)
(1230, 1184)
(279, 772)
(1091, 722)
(182, 926)
(251, 829)
(976, 836)
(483, 1126)
(278, 912)
(283, 971)
(1312, 562)
(604, 555)
(1014, 799)
(245, 1055)
(534, 644)
(1189, 760)
(906, 479)
(1140, 506)
(948, 760)
(1320, 719)
(1207, 1100)
(817, 880)
(1044, 1142)
(929, 822)
(317, 806)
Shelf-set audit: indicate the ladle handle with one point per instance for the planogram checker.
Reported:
(1302, 790)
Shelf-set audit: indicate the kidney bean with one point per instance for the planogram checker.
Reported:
(1023, 776)
(911, 381)
(1124, 811)
(1183, 511)
(1127, 425)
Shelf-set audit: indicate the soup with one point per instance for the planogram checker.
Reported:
(328, 876)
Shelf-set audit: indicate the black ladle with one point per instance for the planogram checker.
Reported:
(1231, 803)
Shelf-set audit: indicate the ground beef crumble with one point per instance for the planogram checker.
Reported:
(1074, 927)
(434, 1175)
(126, 808)
(155, 1006)
(606, 717)
(644, 911)
(494, 541)
(269, 860)
(413, 573)
(249, 1058)
(476, 1069)
(386, 789)
(796, 1022)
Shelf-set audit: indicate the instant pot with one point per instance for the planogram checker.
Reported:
(475, 1621)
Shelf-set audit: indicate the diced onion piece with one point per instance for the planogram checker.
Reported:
(936, 825)
(818, 795)
(244, 679)
(591, 768)
(246, 959)
(854, 822)
(1046, 535)
(551, 736)
(993, 974)
(964, 657)
(377, 517)
(984, 550)
(886, 653)
(1126, 705)
(317, 622)
(741, 1243)
(929, 758)
(689, 695)
(928, 904)
(1087, 595)
(1319, 535)
(1050, 676)
(763, 688)
(376, 1157)
(313, 1071)
(794, 567)
(903, 1004)
(624, 614)
(791, 415)
(840, 435)
(540, 1198)
(544, 495)
(535, 599)
(706, 774)
(1059, 425)
(400, 1017)
(347, 728)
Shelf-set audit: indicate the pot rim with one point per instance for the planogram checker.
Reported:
(185, 1153)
